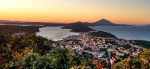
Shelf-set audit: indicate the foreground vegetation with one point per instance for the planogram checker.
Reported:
(139, 62)
(35, 52)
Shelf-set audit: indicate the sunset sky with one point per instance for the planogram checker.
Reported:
(117, 11)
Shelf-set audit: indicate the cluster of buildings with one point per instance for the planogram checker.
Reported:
(109, 49)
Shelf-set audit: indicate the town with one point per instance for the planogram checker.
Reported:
(111, 50)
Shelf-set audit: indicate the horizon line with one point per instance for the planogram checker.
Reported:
(68, 22)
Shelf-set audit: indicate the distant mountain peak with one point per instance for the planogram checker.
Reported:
(79, 22)
(104, 22)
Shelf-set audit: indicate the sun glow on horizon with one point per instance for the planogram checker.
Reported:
(117, 11)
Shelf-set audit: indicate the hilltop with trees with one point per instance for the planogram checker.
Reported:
(11, 29)
(34, 52)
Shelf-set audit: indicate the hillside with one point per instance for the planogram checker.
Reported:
(102, 34)
(10, 29)
(78, 27)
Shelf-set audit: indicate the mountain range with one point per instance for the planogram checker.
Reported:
(102, 22)
(84, 26)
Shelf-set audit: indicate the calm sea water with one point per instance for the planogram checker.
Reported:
(127, 32)
(122, 32)
(55, 33)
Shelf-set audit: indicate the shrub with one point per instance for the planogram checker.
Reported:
(30, 60)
